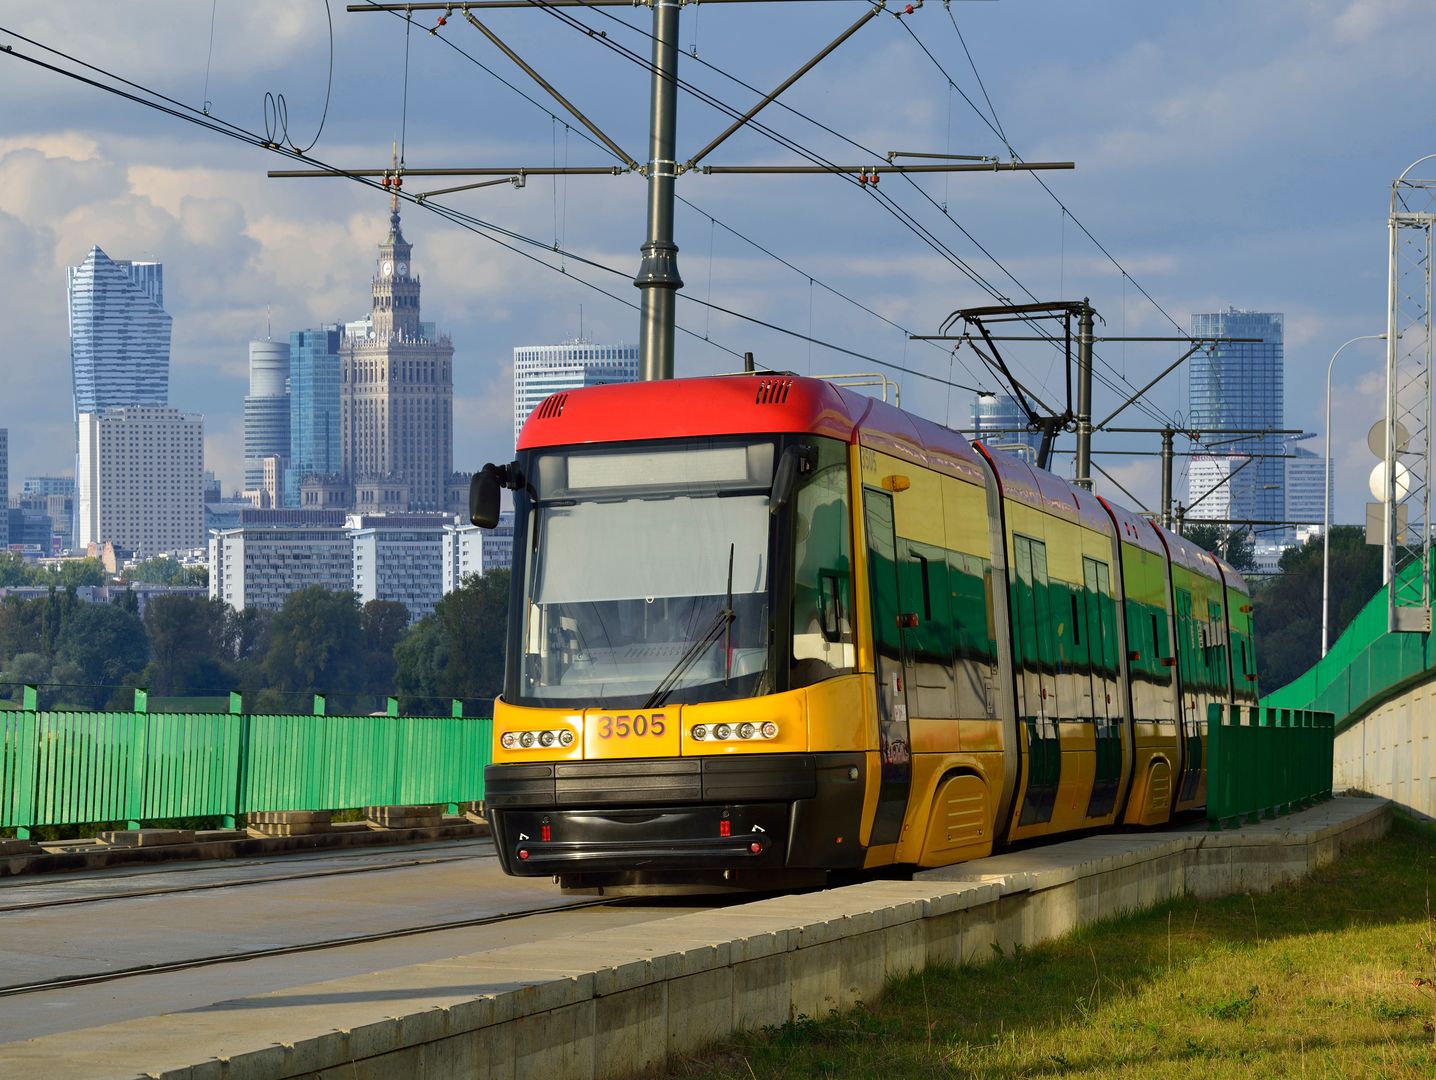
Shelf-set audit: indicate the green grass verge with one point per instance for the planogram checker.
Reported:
(1320, 979)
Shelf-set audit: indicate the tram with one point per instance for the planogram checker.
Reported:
(764, 629)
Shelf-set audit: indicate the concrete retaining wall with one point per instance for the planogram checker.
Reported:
(611, 1003)
(1388, 753)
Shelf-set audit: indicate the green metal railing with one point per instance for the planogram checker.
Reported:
(1366, 664)
(1262, 762)
(75, 768)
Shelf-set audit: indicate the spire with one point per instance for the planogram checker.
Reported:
(395, 233)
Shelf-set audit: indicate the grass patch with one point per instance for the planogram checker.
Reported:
(1334, 976)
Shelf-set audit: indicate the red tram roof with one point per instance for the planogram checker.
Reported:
(673, 408)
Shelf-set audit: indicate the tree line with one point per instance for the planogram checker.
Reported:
(15, 569)
(93, 655)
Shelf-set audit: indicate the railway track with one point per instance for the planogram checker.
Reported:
(190, 964)
(38, 905)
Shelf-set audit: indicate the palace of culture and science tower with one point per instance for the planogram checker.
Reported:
(396, 390)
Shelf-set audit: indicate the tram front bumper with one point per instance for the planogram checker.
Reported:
(677, 814)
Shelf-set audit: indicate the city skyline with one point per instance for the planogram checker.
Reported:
(1187, 126)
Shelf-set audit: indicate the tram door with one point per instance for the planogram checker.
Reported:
(892, 647)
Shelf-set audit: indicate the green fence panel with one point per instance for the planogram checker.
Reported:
(81, 768)
(1264, 761)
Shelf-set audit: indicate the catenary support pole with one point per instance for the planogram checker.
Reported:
(658, 274)
(1167, 434)
(1083, 479)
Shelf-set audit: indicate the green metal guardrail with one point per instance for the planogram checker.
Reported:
(1262, 762)
(74, 768)
(1366, 664)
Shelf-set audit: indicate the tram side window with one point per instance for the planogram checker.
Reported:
(822, 571)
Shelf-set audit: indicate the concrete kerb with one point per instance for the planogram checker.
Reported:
(613, 1002)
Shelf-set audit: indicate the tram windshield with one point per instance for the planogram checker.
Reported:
(647, 574)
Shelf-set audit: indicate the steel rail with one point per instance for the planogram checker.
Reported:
(170, 967)
(135, 894)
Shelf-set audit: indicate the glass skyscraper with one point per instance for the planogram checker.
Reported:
(119, 333)
(266, 409)
(313, 408)
(1236, 385)
(999, 421)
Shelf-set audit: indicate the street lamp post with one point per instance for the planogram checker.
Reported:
(1326, 501)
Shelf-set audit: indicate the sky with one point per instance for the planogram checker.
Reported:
(1226, 154)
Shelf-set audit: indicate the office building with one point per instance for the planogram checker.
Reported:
(313, 408)
(48, 485)
(260, 565)
(397, 390)
(119, 333)
(141, 477)
(1209, 487)
(399, 557)
(541, 370)
(1306, 491)
(266, 409)
(1238, 386)
(1000, 421)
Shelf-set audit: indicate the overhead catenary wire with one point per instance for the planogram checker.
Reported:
(906, 218)
(556, 119)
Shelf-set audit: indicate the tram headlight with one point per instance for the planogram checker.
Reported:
(544, 739)
(770, 730)
(722, 731)
(746, 730)
(700, 732)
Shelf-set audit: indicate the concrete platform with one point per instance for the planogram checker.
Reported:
(611, 1003)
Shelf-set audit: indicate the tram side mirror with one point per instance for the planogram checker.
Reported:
(796, 460)
(484, 491)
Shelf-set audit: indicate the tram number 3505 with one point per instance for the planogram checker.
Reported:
(635, 726)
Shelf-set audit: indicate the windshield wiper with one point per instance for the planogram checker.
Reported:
(691, 655)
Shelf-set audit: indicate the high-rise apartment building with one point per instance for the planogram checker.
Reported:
(119, 333)
(260, 565)
(141, 479)
(397, 387)
(1238, 385)
(266, 409)
(541, 370)
(399, 557)
(469, 549)
(999, 421)
(313, 408)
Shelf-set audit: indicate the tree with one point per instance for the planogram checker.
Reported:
(160, 570)
(188, 644)
(384, 623)
(1236, 546)
(25, 667)
(421, 659)
(72, 573)
(474, 618)
(317, 644)
(1288, 607)
(106, 644)
(14, 570)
